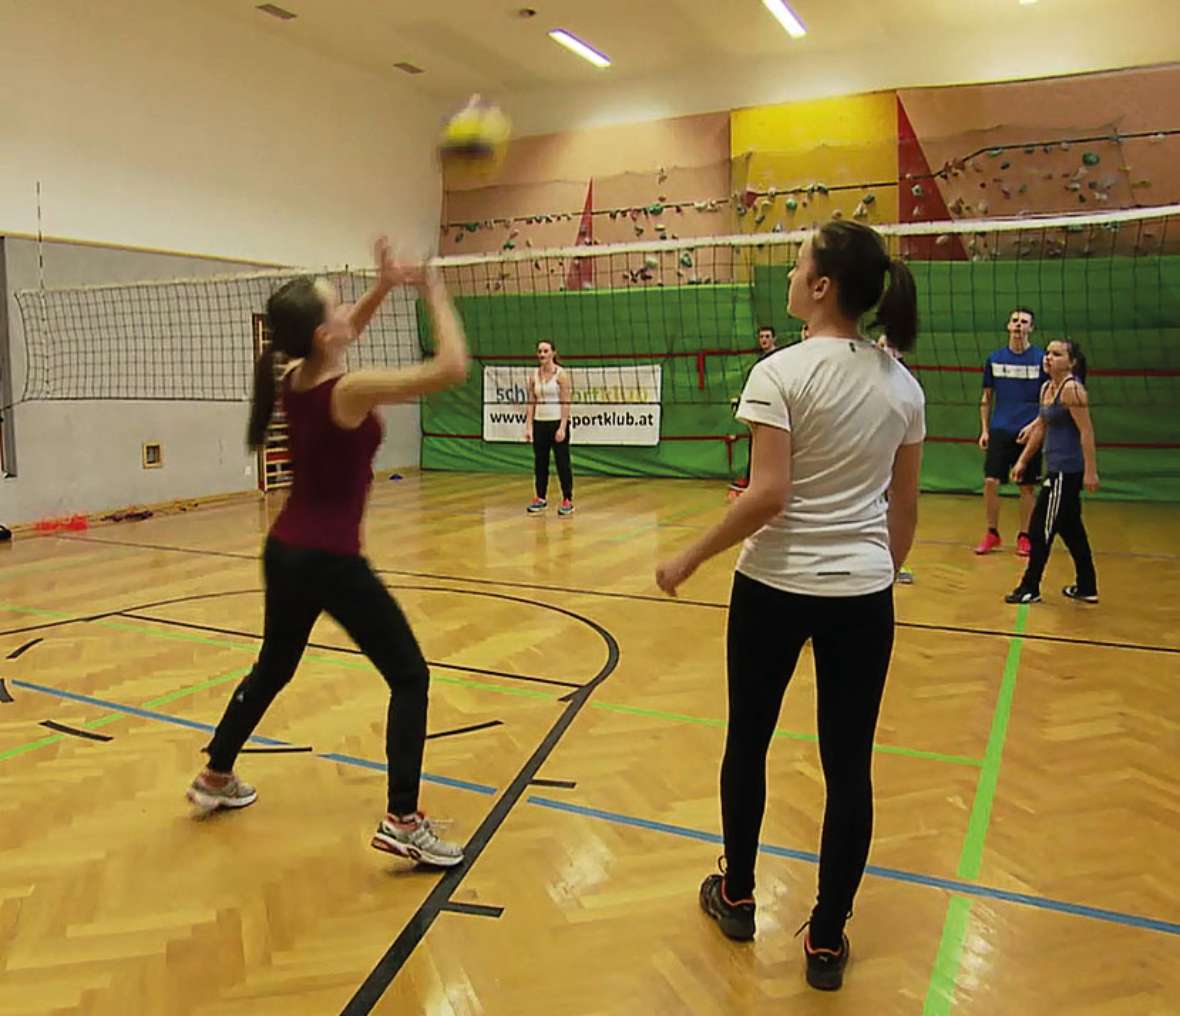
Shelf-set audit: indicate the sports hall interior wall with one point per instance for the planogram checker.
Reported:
(215, 140)
(1018, 151)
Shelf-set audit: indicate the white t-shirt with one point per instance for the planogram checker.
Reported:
(849, 406)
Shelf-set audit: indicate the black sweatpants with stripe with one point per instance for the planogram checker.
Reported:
(1059, 512)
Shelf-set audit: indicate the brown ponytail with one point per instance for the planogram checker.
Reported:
(262, 403)
(855, 257)
(897, 313)
(293, 313)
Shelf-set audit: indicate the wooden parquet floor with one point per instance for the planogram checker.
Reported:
(1027, 849)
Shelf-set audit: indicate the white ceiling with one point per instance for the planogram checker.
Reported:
(673, 57)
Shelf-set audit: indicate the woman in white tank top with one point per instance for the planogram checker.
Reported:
(547, 427)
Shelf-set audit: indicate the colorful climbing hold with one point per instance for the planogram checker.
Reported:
(1091, 158)
(917, 190)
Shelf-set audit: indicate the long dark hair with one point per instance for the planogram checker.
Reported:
(293, 313)
(855, 258)
(1078, 357)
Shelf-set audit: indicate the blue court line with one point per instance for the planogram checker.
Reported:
(896, 874)
(180, 721)
(147, 714)
(932, 881)
(446, 781)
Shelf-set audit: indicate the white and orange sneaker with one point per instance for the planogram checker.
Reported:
(211, 791)
(416, 837)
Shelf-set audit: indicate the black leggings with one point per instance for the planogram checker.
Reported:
(1059, 511)
(544, 438)
(852, 638)
(299, 585)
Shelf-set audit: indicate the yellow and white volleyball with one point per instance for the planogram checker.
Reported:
(477, 134)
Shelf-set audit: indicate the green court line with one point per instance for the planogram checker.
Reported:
(102, 721)
(940, 994)
(465, 682)
(10, 608)
(790, 735)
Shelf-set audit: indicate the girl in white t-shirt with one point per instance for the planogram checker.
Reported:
(836, 423)
(547, 420)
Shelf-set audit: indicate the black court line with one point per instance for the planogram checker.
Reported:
(560, 784)
(61, 728)
(286, 750)
(640, 597)
(474, 909)
(349, 650)
(16, 653)
(466, 730)
(159, 546)
(4, 694)
(43, 625)
(1099, 643)
(375, 985)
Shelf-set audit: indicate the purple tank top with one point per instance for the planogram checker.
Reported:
(333, 470)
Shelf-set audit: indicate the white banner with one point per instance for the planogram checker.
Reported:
(608, 405)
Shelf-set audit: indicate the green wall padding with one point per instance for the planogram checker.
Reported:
(1124, 311)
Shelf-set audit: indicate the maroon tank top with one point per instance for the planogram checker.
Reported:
(333, 470)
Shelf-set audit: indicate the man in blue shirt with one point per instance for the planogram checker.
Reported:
(1012, 379)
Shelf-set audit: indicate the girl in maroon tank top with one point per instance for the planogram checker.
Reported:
(311, 561)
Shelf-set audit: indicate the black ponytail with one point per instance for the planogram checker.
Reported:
(855, 257)
(293, 313)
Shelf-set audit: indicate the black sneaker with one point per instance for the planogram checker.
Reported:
(1021, 595)
(1075, 594)
(825, 967)
(735, 919)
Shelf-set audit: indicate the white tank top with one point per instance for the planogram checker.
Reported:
(548, 395)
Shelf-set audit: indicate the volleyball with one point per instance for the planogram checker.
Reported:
(478, 134)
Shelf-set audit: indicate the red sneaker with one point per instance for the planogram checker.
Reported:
(989, 543)
(1023, 545)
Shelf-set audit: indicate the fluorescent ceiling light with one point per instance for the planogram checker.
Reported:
(786, 17)
(1027, 3)
(576, 45)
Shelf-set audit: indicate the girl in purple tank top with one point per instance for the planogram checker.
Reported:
(311, 561)
(1064, 427)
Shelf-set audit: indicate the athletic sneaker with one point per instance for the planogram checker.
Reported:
(566, 507)
(825, 967)
(735, 919)
(740, 484)
(209, 793)
(904, 576)
(1023, 545)
(1020, 595)
(1073, 593)
(418, 840)
(539, 504)
(991, 540)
